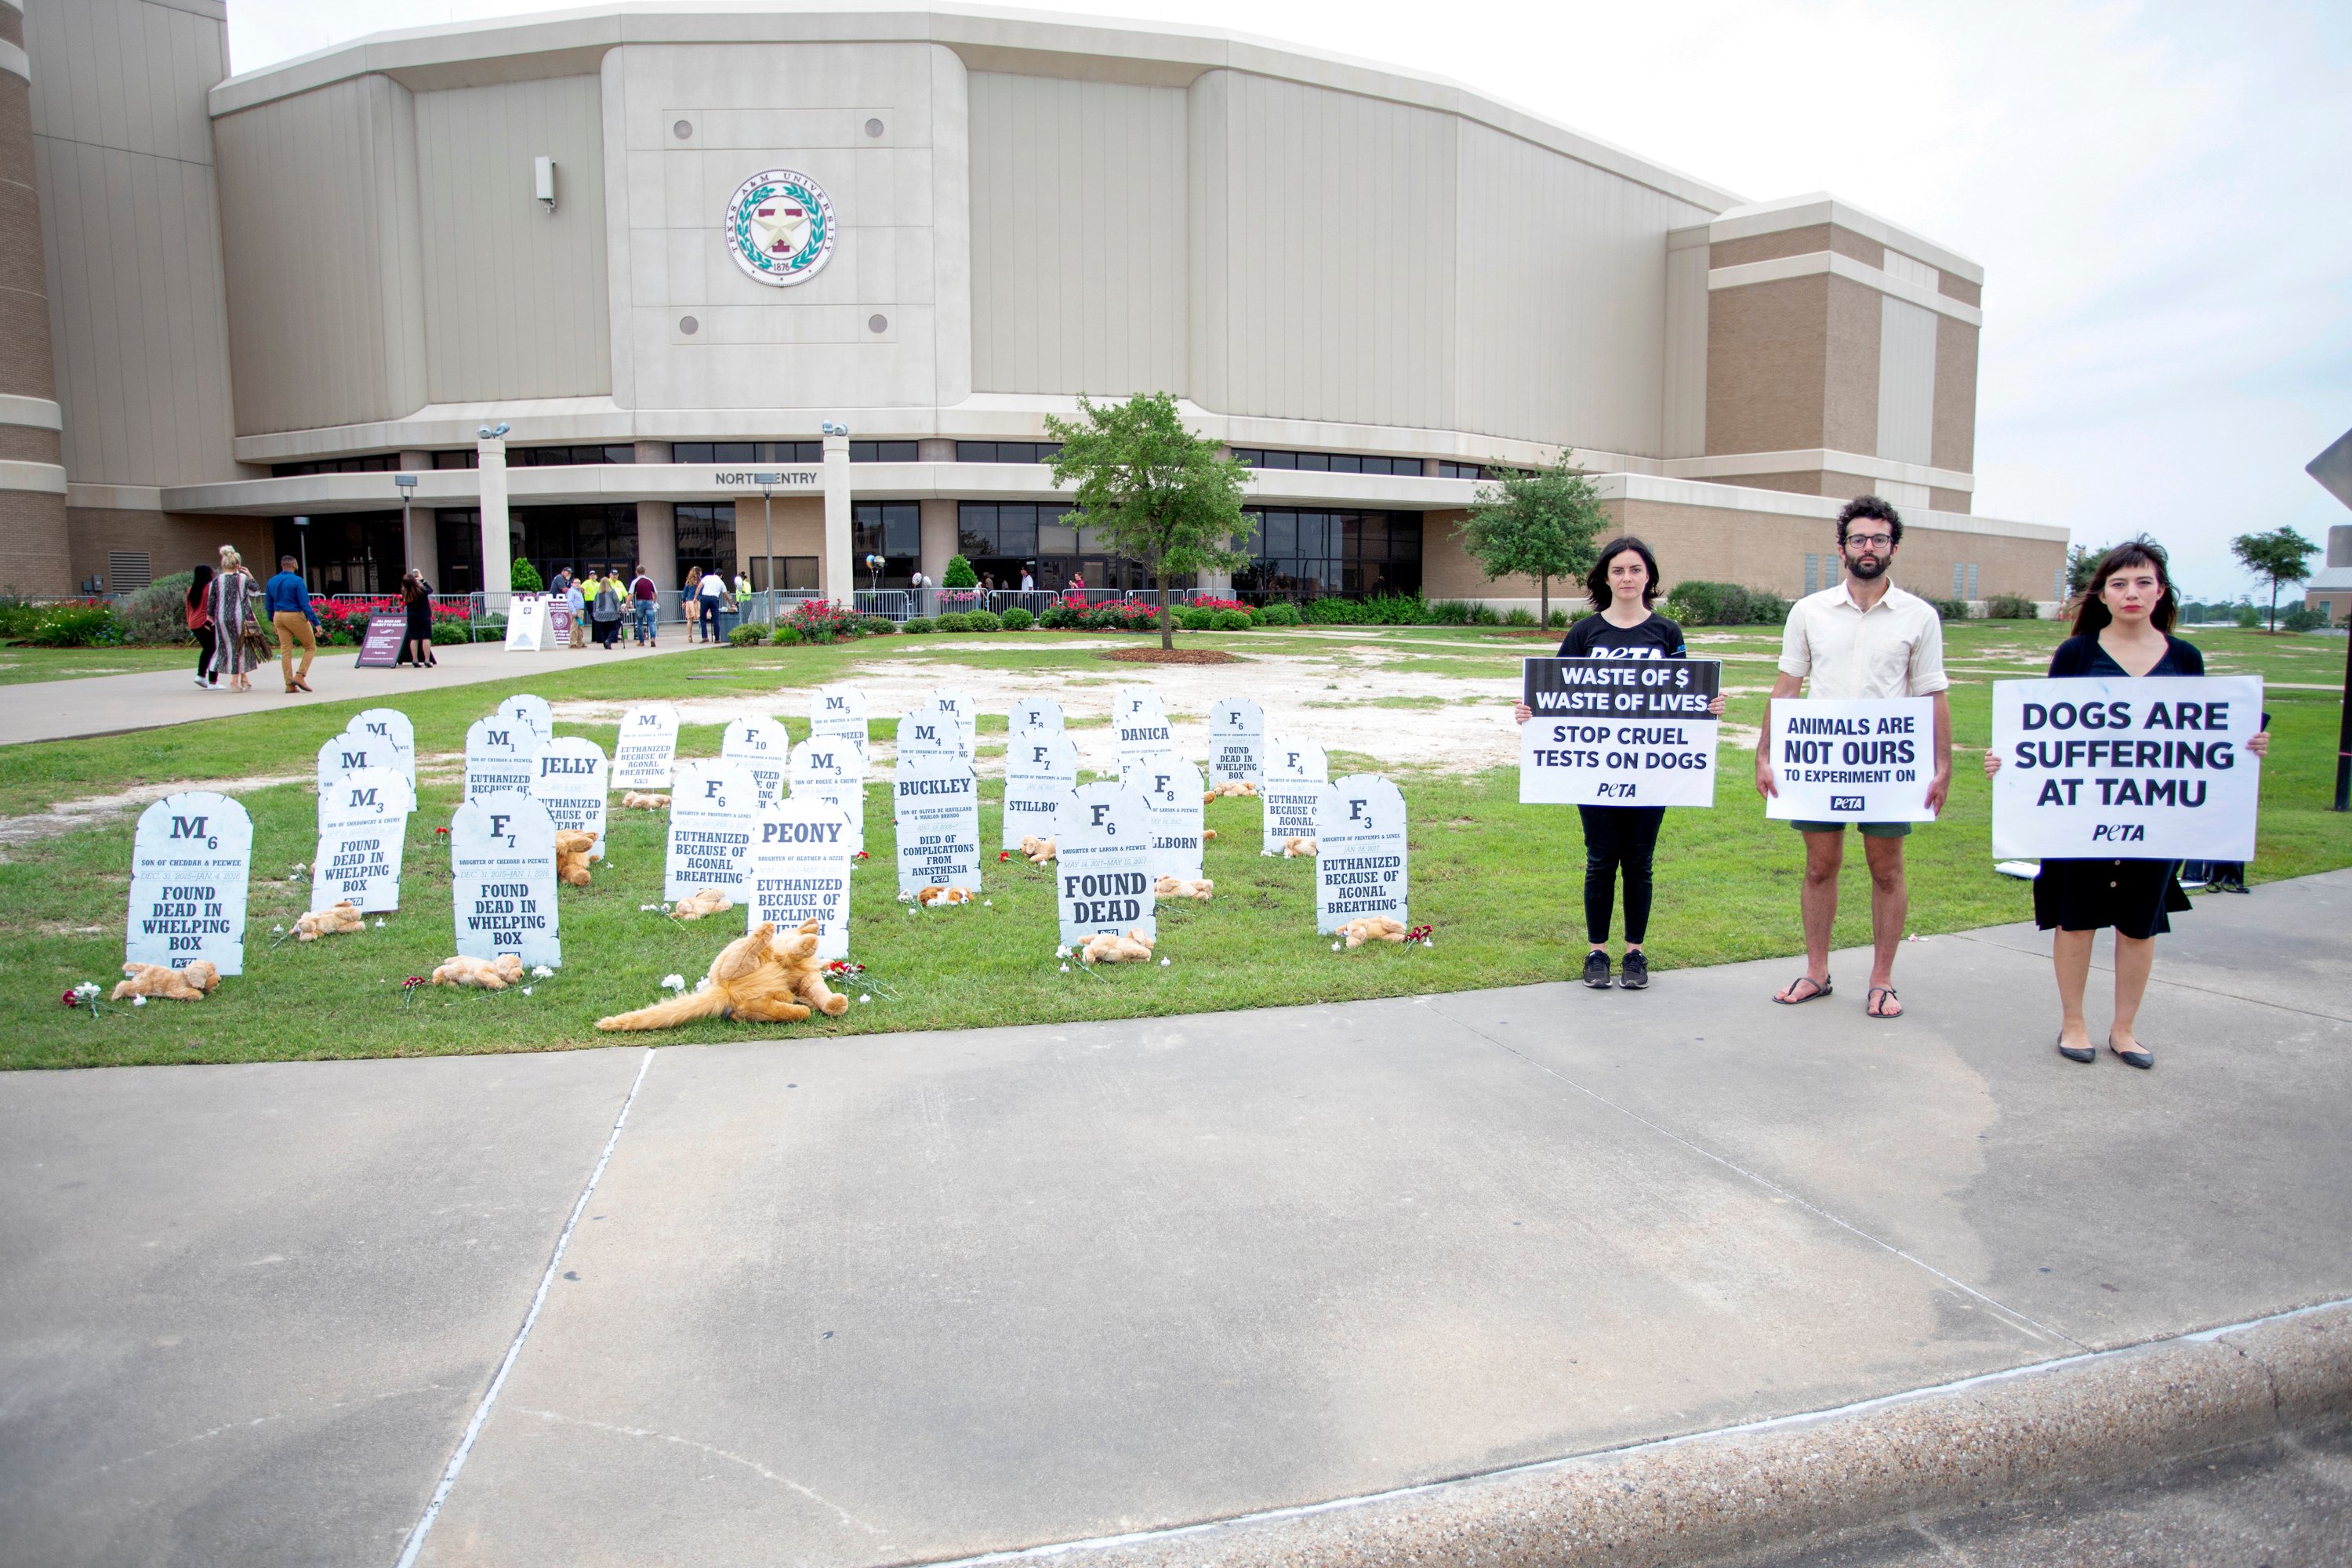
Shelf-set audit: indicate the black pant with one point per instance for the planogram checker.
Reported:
(1615, 837)
(204, 644)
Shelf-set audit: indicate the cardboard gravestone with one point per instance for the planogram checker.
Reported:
(1863, 760)
(2150, 768)
(498, 750)
(713, 810)
(1033, 713)
(1360, 862)
(800, 871)
(1041, 769)
(527, 622)
(348, 753)
(502, 881)
(392, 725)
(362, 833)
(1295, 770)
(934, 729)
(967, 714)
(571, 779)
(832, 769)
(1103, 876)
(531, 710)
(1619, 732)
(765, 750)
(838, 710)
(1236, 741)
(646, 748)
(937, 803)
(190, 861)
(1170, 788)
(1141, 727)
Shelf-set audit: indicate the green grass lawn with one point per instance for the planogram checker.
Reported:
(1499, 880)
(21, 665)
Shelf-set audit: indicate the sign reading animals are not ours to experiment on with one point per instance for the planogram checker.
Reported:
(191, 859)
(1868, 760)
(2153, 768)
(1619, 732)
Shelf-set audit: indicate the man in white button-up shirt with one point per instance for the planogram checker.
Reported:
(1864, 639)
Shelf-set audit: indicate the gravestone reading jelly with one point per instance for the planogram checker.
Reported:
(799, 870)
(531, 710)
(362, 833)
(832, 769)
(838, 710)
(967, 714)
(392, 725)
(502, 881)
(1102, 875)
(1033, 713)
(1359, 861)
(764, 750)
(1236, 741)
(498, 750)
(1041, 768)
(937, 803)
(190, 861)
(569, 777)
(711, 812)
(646, 747)
(1170, 788)
(1294, 771)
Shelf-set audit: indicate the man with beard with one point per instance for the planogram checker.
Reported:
(1864, 638)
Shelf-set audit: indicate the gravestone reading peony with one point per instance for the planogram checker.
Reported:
(800, 871)
(838, 710)
(1295, 770)
(190, 861)
(712, 814)
(937, 803)
(392, 725)
(764, 750)
(498, 750)
(1359, 863)
(502, 881)
(1103, 877)
(531, 710)
(362, 833)
(1041, 769)
(1170, 788)
(646, 747)
(832, 769)
(1033, 713)
(569, 777)
(1236, 741)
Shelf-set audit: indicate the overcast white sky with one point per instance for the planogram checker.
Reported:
(2160, 194)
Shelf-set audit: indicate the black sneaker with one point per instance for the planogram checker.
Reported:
(1633, 972)
(1596, 971)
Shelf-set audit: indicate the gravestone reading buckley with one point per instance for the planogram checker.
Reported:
(190, 861)
(1170, 788)
(1359, 860)
(1102, 875)
(569, 777)
(839, 711)
(1236, 741)
(498, 750)
(646, 747)
(938, 808)
(799, 871)
(764, 749)
(393, 726)
(1295, 770)
(362, 833)
(531, 710)
(711, 812)
(1041, 768)
(502, 881)
(832, 769)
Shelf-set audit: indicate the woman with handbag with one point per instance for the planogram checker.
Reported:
(200, 622)
(230, 603)
(608, 611)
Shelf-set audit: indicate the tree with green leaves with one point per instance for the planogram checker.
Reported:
(1149, 490)
(522, 577)
(2282, 555)
(1537, 523)
(958, 573)
(2082, 560)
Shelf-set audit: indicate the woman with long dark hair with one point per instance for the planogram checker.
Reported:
(2123, 627)
(200, 622)
(416, 603)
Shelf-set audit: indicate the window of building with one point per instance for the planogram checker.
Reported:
(1326, 462)
(793, 573)
(1303, 555)
(1007, 451)
(570, 457)
(458, 532)
(892, 529)
(1972, 582)
(373, 463)
(883, 452)
(1446, 470)
(579, 537)
(345, 553)
(706, 536)
(747, 452)
(463, 458)
(1812, 574)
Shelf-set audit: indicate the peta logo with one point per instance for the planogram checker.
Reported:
(1847, 802)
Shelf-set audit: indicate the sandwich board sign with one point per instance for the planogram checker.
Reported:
(1041, 769)
(646, 748)
(380, 645)
(569, 777)
(1360, 851)
(832, 769)
(1236, 741)
(712, 812)
(191, 859)
(1295, 770)
(362, 833)
(527, 622)
(502, 881)
(1102, 872)
(799, 871)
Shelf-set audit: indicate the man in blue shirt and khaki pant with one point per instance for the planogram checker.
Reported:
(289, 601)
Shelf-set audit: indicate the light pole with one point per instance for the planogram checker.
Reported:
(407, 483)
(302, 544)
(767, 483)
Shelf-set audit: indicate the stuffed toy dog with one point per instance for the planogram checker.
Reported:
(488, 974)
(755, 979)
(1132, 948)
(710, 901)
(1039, 850)
(343, 917)
(1208, 833)
(936, 895)
(1296, 848)
(571, 847)
(1197, 889)
(638, 800)
(1373, 928)
(1231, 786)
(808, 973)
(187, 984)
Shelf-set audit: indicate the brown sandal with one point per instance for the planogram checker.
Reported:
(1822, 988)
(1870, 1005)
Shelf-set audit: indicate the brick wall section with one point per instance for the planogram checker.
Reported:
(12, 25)
(34, 555)
(800, 528)
(1803, 241)
(1960, 288)
(1767, 366)
(1950, 501)
(1849, 381)
(1955, 440)
(173, 541)
(30, 444)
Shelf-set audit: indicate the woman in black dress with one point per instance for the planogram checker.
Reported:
(416, 601)
(2123, 628)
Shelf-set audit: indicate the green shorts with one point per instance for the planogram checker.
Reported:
(1869, 829)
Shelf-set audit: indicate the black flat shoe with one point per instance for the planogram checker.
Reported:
(1596, 971)
(2085, 1055)
(2132, 1059)
(1633, 971)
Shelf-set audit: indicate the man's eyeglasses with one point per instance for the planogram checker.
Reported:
(1870, 540)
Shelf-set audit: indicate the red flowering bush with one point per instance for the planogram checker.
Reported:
(820, 621)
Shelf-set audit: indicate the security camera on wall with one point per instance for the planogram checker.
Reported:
(543, 181)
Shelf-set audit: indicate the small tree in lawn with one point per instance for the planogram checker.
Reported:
(522, 577)
(2280, 556)
(1150, 490)
(958, 573)
(1537, 524)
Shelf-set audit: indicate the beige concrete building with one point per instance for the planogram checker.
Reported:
(667, 249)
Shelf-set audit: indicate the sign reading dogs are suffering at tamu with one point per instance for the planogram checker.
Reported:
(569, 778)
(1619, 732)
(362, 833)
(1102, 872)
(498, 750)
(765, 750)
(392, 725)
(502, 876)
(712, 809)
(799, 871)
(1236, 741)
(646, 748)
(1864, 761)
(1360, 857)
(1041, 768)
(1295, 770)
(190, 861)
(1170, 788)
(2151, 769)
(938, 808)
(832, 768)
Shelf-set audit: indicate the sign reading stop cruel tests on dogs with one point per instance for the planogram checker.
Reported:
(646, 747)
(1619, 732)
(502, 879)
(1102, 875)
(190, 860)
(1359, 861)
(711, 809)
(799, 871)
(1862, 760)
(362, 833)
(2149, 769)
(937, 807)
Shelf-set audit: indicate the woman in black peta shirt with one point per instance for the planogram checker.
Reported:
(1621, 584)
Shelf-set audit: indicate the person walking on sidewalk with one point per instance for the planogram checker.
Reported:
(200, 624)
(1864, 638)
(606, 610)
(2123, 627)
(644, 599)
(230, 603)
(1621, 586)
(288, 598)
(575, 605)
(711, 595)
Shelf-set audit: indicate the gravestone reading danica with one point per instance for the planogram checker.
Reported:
(1295, 770)
(646, 747)
(711, 812)
(498, 750)
(832, 769)
(1141, 726)
(1103, 877)
(937, 805)
(1237, 741)
(362, 833)
(191, 859)
(393, 726)
(1041, 768)
(1359, 863)
(800, 871)
(1170, 788)
(502, 881)
(764, 749)
(570, 778)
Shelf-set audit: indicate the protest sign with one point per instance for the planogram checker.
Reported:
(502, 881)
(959, 702)
(799, 871)
(832, 769)
(764, 749)
(393, 726)
(498, 750)
(838, 710)
(380, 645)
(559, 622)
(527, 626)
(1619, 732)
(1170, 788)
(938, 810)
(1102, 875)
(190, 859)
(362, 833)
(932, 729)
(1033, 713)
(1236, 741)
(712, 809)
(646, 747)
(1294, 771)
(2105, 767)
(1360, 854)
(1041, 768)
(569, 777)
(1862, 760)
(531, 710)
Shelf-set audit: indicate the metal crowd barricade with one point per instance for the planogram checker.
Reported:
(892, 604)
(1036, 601)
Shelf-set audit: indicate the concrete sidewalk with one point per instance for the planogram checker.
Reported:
(156, 699)
(903, 1298)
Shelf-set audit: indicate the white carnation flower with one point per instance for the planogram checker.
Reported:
(673, 982)
(865, 998)
(138, 1000)
(540, 972)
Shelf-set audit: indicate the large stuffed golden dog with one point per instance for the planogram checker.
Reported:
(762, 978)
